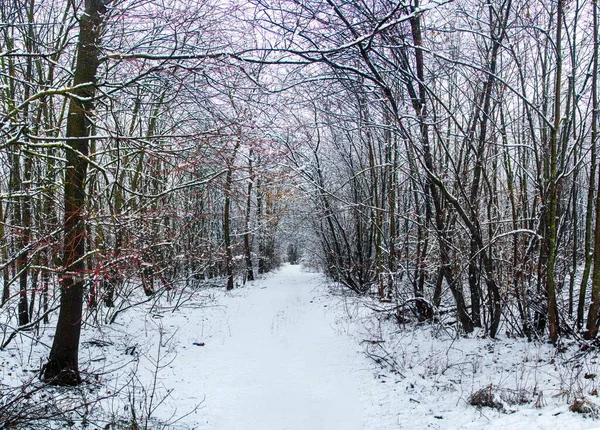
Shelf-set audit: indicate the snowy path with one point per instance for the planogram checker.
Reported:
(277, 360)
(283, 353)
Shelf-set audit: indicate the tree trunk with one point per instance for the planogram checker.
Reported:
(247, 234)
(227, 218)
(392, 163)
(16, 185)
(4, 260)
(262, 266)
(592, 319)
(420, 106)
(62, 367)
(552, 201)
(22, 260)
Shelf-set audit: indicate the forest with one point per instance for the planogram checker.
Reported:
(436, 159)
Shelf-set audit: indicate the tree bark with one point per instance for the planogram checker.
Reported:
(592, 319)
(4, 259)
(62, 367)
(552, 211)
(227, 217)
(247, 234)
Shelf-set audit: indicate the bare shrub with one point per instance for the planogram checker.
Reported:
(486, 398)
(584, 406)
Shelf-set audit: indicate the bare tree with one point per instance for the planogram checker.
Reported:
(63, 363)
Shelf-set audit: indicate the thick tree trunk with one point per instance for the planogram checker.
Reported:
(62, 367)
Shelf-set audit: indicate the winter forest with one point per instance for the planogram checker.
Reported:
(393, 190)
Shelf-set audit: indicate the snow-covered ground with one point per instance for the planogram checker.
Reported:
(286, 353)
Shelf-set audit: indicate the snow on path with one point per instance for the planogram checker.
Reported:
(283, 354)
(276, 360)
